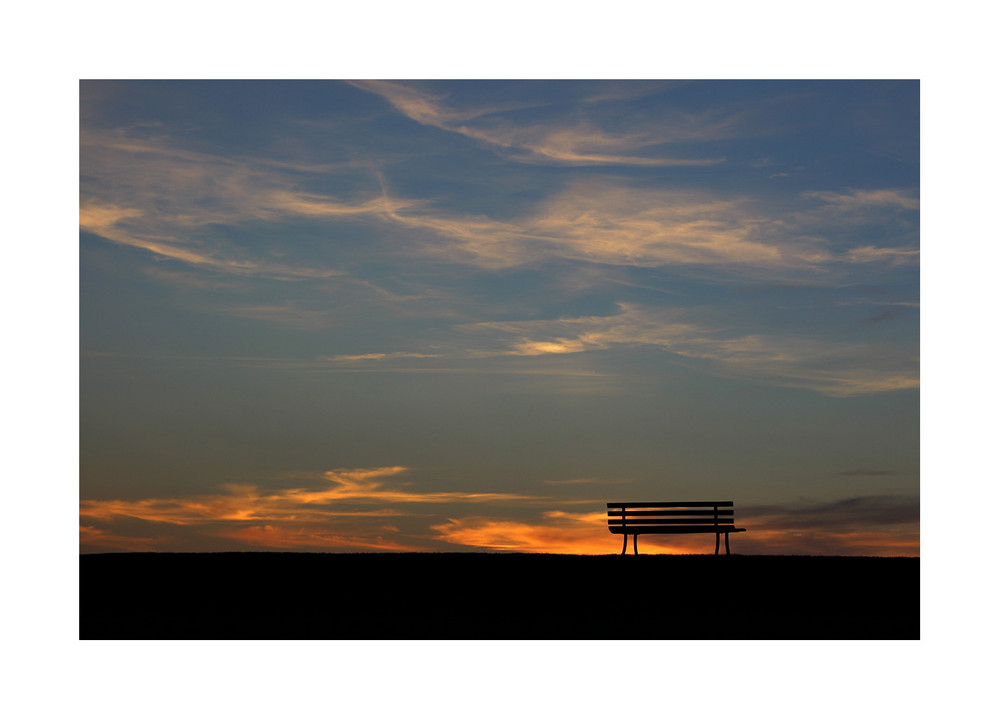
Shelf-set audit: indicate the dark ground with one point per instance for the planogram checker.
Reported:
(479, 596)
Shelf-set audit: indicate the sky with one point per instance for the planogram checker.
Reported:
(452, 316)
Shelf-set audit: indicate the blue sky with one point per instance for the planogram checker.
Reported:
(376, 315)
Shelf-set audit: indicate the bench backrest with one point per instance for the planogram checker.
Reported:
(639, 514)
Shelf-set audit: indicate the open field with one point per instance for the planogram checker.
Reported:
(485, 596)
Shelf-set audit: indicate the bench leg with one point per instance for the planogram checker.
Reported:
(635, 543)
(717, 542)
(727, 543)
(625, 544)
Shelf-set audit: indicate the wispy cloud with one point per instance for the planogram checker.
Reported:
(826, 366)
(161, 237)
(892, 255)
(378, 357)
(249, 503)
(891, 303)
(877, 525)
(830, 367)
(372, 539)
(555, 532)
(347, 511)
(856, 199)
(365, 509)
(171, 202)
(865, 525)
(589, 481)
(580, 143)
(562, 348)
(288, 313)
(103, 538)
(864, 472)
(616, 224)
(630, 90)
(147, 194)
(841, 215)
(846, 513)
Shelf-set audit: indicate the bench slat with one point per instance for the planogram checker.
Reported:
(671, 513)
(725, 503)
(674, 529)
(670, 521)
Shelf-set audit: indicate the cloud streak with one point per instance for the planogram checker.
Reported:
(567, 347)
(581, 143)
(531, 347)
(826, 366)
(865, 525)
(349, 512)
(615, 224)
(877, 525)
(288, 313)
(364, 508)
(171, 203)
(144, 193)
(242, 503)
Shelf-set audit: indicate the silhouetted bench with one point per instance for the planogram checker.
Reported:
(673, 518)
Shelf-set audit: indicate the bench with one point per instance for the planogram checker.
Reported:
(672, 518)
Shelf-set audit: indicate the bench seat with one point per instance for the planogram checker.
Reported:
(676, 530)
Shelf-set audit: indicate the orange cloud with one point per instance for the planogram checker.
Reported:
(886, 525)
(351, 512)
(514, 536)
(247, 503)
(902, 542)
(587, 534)
(97, 537)
(299, 517)
(560, 532)
(276, 536)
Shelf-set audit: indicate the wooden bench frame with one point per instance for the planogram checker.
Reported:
(674, 518)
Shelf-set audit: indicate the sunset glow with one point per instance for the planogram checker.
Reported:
(368, 515)
(394, 316)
